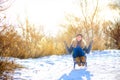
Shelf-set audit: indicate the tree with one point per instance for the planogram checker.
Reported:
(5, 4)
(87, 23)
(112, 28)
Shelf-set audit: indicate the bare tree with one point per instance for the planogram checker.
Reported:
(113, 33)
(5, 4)
(112, 29)
(87, 23)
(90, 10)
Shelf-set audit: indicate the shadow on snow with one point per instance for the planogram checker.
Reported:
(77, 74)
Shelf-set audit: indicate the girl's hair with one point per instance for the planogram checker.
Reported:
(79, 35)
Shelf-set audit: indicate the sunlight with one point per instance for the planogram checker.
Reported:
(109, 15)
(46, 13)
(51, 13)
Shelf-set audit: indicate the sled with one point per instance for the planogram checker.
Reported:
(80, 61)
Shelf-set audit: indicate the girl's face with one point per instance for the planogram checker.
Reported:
(79, 38)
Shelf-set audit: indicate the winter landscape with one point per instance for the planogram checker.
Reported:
(102, 65)
(37, 35)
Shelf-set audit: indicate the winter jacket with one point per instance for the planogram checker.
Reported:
(75, 43)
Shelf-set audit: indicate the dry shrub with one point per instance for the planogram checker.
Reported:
(113, 33)
(14, 45)
(50, 46)
(7, 66)
(99, 43)
(60, 48)
(9, 41)
(90, 30)
(30, 44)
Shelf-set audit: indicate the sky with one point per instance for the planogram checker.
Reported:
(49, 13)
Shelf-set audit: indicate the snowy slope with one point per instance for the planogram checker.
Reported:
(102, 65)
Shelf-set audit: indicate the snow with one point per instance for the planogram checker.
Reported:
(102, 65)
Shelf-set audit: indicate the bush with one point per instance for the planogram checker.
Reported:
(8, 67)
(30, 44)
(113, 34)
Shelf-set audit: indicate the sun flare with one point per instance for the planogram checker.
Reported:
(46, 13)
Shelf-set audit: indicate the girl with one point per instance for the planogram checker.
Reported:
(77, 46)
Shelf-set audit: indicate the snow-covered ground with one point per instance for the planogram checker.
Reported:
(102, 65)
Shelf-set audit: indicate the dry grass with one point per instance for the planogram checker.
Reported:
(113, 33)
(99, 43)
(8, 66)
(30, 44)
(35, 44)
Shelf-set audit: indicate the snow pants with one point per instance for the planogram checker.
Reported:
(78, 52)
